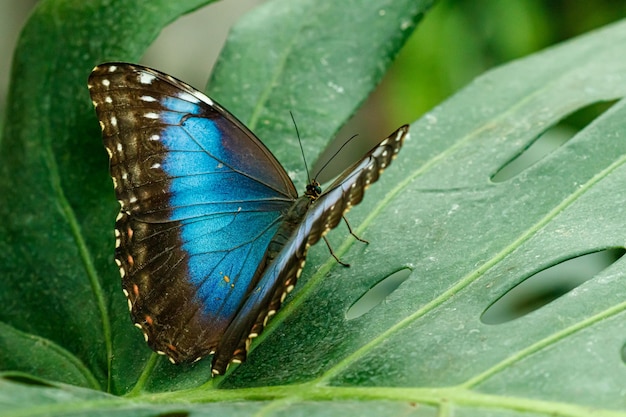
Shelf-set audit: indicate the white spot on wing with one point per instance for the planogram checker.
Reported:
(149, 99)
(113, 68)
(183, 95)
(106, 82)
(198, 96)
(146, 78)
(151, 115)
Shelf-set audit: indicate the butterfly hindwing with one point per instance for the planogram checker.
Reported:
(201, 198)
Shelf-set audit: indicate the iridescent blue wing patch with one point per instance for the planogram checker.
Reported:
(211, 234)
(201, 197)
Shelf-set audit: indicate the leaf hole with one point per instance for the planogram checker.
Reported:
(550, 140)
(549, 284)
(375, 295)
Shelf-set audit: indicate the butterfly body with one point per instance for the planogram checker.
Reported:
(211, 233)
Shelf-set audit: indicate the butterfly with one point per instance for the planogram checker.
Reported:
(211, 235)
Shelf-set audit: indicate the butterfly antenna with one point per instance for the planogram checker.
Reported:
(334, 155)
(308, 176)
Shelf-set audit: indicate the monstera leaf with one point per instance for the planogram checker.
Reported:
(460, 236)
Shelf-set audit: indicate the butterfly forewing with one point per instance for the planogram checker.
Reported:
(201, 198)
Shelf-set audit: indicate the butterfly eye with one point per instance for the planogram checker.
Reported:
(313, 190)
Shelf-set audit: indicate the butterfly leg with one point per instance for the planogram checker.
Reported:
(352, 233)
(333, 253)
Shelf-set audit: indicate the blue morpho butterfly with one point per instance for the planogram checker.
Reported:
(211, 234)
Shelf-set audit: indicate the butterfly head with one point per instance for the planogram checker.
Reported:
(313, 190)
